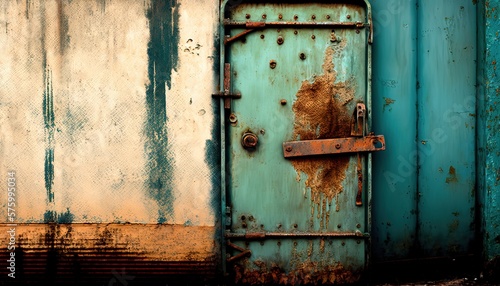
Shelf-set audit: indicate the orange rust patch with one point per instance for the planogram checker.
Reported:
(99, 249)
(306, 273)
(452, 178)
(321, 112)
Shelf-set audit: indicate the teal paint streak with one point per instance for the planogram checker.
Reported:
(48, 116)
(52, 217)
(488, 82)
(162, 54)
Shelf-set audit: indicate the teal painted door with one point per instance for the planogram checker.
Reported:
(424, 56)
(295, 220)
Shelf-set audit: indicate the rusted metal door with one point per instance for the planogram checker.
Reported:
(295, 87)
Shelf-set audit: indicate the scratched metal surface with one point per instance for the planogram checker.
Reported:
(268, 193)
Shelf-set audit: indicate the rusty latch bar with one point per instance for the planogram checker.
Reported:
(370, 143)
(244, 252)
(251, 26)
(269, 235)
(227, 95)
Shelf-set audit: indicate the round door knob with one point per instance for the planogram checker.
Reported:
(249, 140)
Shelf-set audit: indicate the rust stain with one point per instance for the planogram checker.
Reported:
(388, 102)
(452, 178)
(99, 248)
(306, 273)
(320, 113)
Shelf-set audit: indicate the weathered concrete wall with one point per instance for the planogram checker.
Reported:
(106, 118)
(106, 111)
(489, 125)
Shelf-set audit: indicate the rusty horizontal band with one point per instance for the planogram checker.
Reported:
(333, 146)
(254, 25)
(263, 235)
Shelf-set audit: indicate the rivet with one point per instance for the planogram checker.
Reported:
(357, 32)
(247, 16)
(272, 64)
(279, 243)
(294, 243)
(262, 36)
(264, 16)
(233, 118)
(343, 243)
(243, 217)
(295, 17)
(280, 16)
(358, 225)
(339, 225)
(295, 32)
(280, 40)
(283, 102)
(337, 146)
(261, 226)
(358, 241)
(328, 16)
(279, 225)
(302, 56)
(244, 225)
(294, 225)
(262, 131)
(313, 37)
(348, 16)
(313, 17)
(289, 149)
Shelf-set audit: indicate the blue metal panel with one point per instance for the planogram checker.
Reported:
(446, 126)
(394, 115)
(305, 87)
(488, 127)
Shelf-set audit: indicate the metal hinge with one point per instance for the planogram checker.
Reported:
(227, 95)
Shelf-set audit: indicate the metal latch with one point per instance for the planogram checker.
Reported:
(359, 143)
